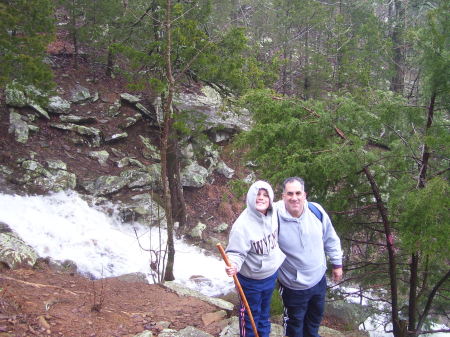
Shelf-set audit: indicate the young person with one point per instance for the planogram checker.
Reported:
(255, 257)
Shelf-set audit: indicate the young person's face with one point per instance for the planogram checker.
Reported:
(262, 201)
(294, 198)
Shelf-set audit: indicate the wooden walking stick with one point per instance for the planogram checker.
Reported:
(239, 288)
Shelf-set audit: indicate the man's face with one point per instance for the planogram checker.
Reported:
(294, 198)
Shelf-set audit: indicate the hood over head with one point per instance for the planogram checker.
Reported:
(253, 192)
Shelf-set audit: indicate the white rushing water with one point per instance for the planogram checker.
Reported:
(64, 227)
(375, 324)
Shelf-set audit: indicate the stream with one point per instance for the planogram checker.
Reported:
(64, 227)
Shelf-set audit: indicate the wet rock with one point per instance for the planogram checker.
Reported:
(14, 252)
(143, 208)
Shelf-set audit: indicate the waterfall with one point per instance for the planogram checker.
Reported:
(65, 227)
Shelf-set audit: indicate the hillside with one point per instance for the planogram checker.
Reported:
(49, 301)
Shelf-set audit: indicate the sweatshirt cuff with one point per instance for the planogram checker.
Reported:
(337, 266)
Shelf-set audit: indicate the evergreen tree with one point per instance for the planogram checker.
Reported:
(360, 156)
(26, 27)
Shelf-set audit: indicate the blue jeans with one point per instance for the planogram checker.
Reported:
(303, 309)
(258, 294)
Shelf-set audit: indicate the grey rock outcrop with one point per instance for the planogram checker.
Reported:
(14, 252)
(79, 94)
(18, 126)
(184, 291)
(350, 314)
(144, 209)
(194, 175)
(93, 133)
(54, 177)
(58, 105)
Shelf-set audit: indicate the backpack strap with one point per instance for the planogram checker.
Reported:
(313, 208)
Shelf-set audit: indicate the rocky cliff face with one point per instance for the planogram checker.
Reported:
(102, 141)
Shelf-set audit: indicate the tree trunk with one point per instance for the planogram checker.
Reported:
(74, 36)
(398, 80)
(306, 81)
(168, 117)
(109, 63)
(399, 326)
(173, 170)
(412, 311)
(412, 305)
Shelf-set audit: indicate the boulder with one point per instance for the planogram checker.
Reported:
(184, 291)
(100, 156)
(194, 175)
(79, 94)
(57, 180)
(352, 315)
(224, 170)
(14, 252)
(18, 126)
(197, 231)
(142, 178)
(105, 185)
(93, 133)
(130, 98)
(116, 137)
(58, 105)
(143, 208)
(40, 110)
(77, 119)
(15, 97)
(145, 333)
(150, 151)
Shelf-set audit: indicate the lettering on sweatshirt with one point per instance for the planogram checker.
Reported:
(266, 244)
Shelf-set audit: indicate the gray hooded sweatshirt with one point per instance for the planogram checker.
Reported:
(253, 241)
(306, 242)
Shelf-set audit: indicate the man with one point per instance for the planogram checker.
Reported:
(306, 237)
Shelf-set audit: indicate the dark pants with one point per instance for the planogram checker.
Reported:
(258, 294)
(303, 309)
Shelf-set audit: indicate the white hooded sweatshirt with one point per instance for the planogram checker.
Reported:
(253, 242)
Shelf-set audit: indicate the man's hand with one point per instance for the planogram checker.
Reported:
(337, 274)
